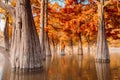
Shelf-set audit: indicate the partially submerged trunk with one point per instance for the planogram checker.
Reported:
(42, 43)
(80, 48)
(102, 54)
(25, 47)
(47, 43)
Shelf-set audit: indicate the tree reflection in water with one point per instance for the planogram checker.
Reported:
(48, 64)
(37, 75)
(80, 64)
(103, 71)
(27, 76)
(69, 67)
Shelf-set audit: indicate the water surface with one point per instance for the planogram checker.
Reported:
(68, 67)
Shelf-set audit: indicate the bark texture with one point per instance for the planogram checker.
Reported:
(102, 54)
(25, 47)
(6, 33)
(42, 41)
(47, 43)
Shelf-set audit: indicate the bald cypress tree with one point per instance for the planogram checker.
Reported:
(102, 54)
(25, 50)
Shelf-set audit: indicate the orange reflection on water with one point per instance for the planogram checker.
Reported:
(70, 67)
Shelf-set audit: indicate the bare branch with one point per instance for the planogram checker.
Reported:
(8, 8)
(36, 6)
(106, 3)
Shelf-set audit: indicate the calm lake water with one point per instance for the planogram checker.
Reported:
(68, 67)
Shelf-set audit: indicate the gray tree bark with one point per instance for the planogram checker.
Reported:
(6, 33)
(47, 43)
(42, 43)
(25, 53)
(102, 54)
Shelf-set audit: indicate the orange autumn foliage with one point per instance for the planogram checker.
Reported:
(67, 22)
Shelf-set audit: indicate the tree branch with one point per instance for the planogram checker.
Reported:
(8, 8)
(36, 6)
(106, 3)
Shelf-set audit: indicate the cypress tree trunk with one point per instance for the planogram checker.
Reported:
(42, 43)
(53, 43)
(71, 46)
(62, 48)
(80, 48)
(6, 33)
(47, 43)
(102, 54)
(25, 47)
(88, 40)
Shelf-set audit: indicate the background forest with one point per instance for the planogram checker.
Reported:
(67, 19)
